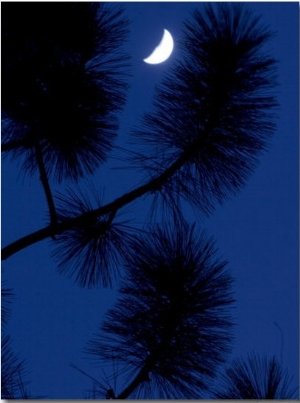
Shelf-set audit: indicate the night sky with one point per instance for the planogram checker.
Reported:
(52, 319)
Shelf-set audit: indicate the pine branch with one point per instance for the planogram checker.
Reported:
(211, 120)
(91, 253)
(219, 101)
(45, 183)
(12, 372)
(61, 78)
(171, 326)
(52, 230)
(258, 378)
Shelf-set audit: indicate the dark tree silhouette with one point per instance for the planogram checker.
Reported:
(171, 327)
(13, 373)
(14, 382)
(256, 378)
(12, 370)
(214, 114)
(213, 117)
(90, 252)
(61, 83)
(62, 86)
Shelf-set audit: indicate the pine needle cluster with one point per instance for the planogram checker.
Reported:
(62, 84)
(255, 377)
(214, 114)
(171, 326)
(90, 252)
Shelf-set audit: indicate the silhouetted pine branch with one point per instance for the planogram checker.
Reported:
(171, 327)
(62, 84)
(73, 222)
(213, 118)
(45, 183)
(90, 252)
(13, 371)
(256, 378)
(215, 111)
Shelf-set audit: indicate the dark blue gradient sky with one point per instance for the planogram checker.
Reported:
(52, 319)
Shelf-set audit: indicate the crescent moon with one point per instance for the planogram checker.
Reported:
(163, 51)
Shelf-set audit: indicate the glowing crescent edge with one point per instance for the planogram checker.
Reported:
(163, 51)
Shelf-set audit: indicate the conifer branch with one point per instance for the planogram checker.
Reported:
(45, 183)
(110, 208)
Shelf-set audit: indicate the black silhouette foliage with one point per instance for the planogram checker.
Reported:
(256, 378)
(214, 114)
(62, 84)
(13, 372)
(171, 327)
(91, 252)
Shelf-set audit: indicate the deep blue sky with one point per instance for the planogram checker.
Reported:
(52, 319)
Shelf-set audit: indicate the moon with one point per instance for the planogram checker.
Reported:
(163, 51)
